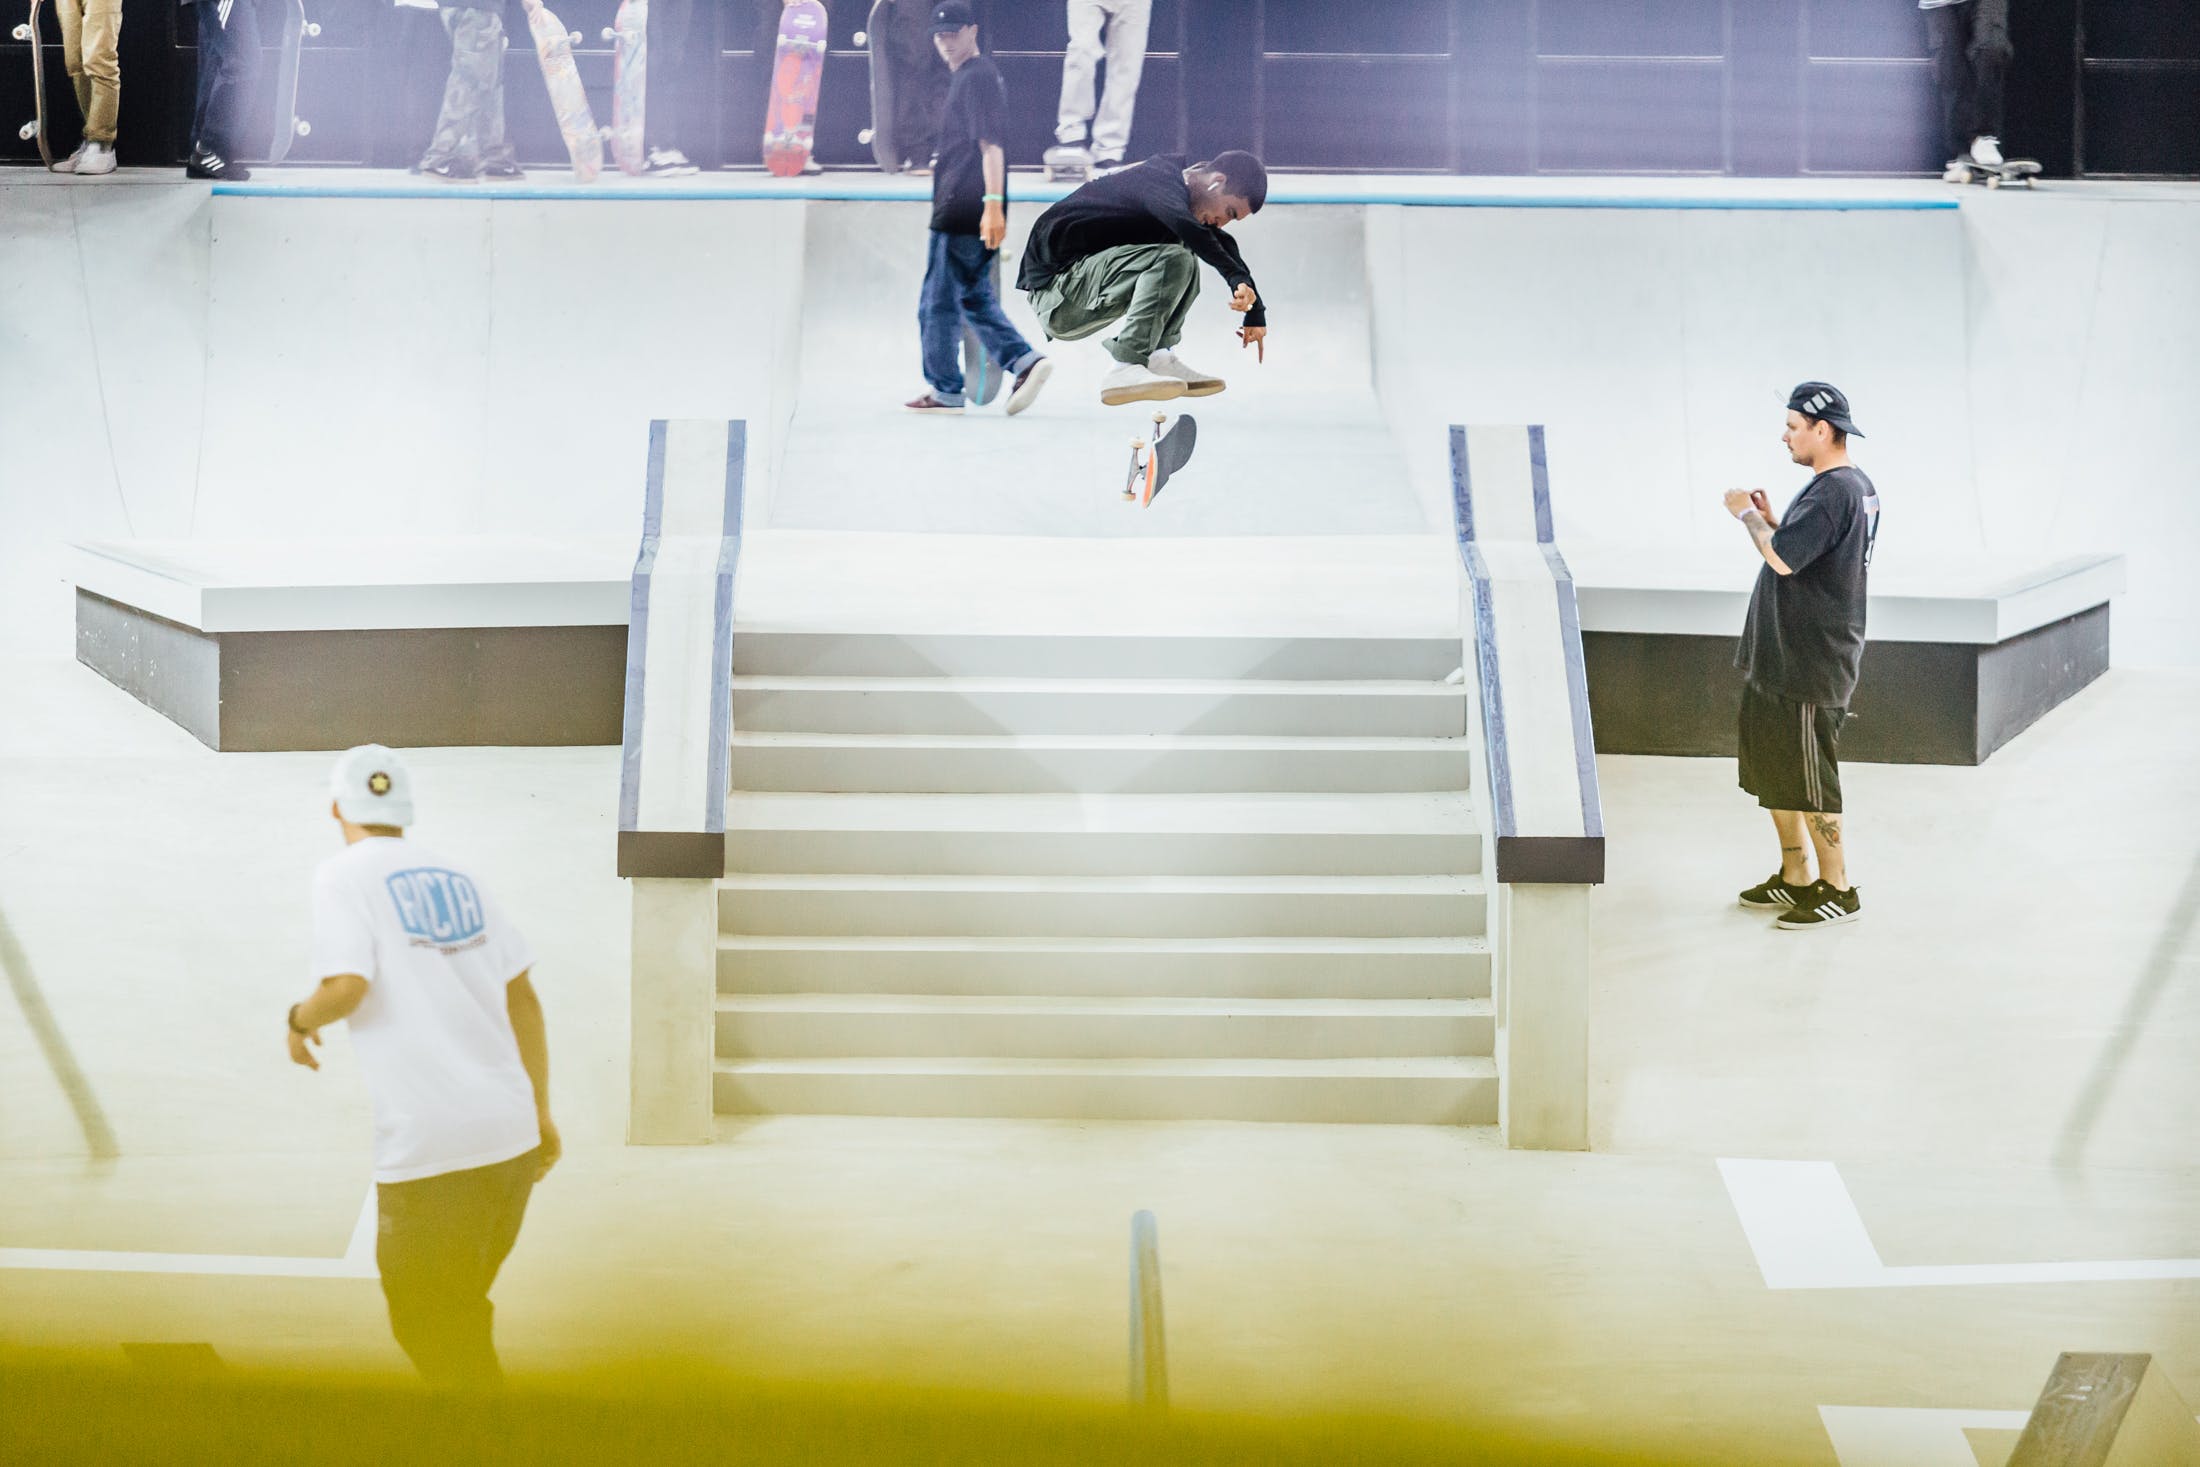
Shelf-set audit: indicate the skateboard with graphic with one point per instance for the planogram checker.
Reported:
(554, 48)
(35, 129)
(1152, 464)
(2012, 173)
(629, 84)
(288, 124)
(790, 117)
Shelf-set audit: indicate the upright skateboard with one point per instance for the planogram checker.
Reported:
(288, 124)
(981, 374)
(790, 119)
(554, 47)
(879, 136)
(2012, 173)
(36, 127)
(1151, 465)
(629, 83)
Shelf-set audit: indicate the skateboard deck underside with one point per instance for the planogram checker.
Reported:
(629, 85)
(884, 150)
(790, 124)
(286, 80)
(568, 99)
(37, 127)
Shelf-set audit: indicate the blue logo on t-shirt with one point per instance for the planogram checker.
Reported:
(437, 906)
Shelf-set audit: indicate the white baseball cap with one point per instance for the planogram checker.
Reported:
(372, 786)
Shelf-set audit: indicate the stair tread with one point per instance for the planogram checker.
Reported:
(1435, 812)
(1146, 743)
(1468, 1067)
(1077, 1006)
(1463, 884)
(1387, 687)
(1291, 946)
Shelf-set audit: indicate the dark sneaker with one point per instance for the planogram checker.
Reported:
(450, 170)
(207, 164)
(1775, 894)
(503, 168)
(930, 404)
(1822, 906)
(1028, 383)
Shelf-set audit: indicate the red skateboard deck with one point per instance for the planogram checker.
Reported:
(790, 118)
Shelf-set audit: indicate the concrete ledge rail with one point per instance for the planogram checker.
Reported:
(1102, 906)
(1042, 763)
(969, 705)
(1127, 967)
(1407, 1092)
(1275, 833)
(825, 1026)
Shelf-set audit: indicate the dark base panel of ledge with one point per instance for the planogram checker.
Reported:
(409, 688)
(1916, 702)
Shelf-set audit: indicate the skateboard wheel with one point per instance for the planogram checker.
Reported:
(313, 28)
(863, 138)
(21, 32)
(862, 38)
(609, 34)
(305, 128)
(27, 131)
(576, 38)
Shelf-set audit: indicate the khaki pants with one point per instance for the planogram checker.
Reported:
(91, 31)
(1149, 288)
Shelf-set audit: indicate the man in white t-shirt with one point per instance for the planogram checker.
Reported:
(433, 980)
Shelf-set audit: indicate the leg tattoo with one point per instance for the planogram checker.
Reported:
(1827, 828)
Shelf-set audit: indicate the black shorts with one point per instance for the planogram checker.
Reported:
(1787, 752)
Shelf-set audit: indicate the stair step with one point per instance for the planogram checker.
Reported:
(974, 705)
(765, 653)
(829, 1025)
(1093, 763)
(1129, 967)
(1103, 835)
(1428, 1091)
(1104, 906)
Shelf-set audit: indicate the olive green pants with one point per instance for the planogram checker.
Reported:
(1149, 288)
(91, 34)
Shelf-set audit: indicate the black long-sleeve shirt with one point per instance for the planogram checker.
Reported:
(1148, 204)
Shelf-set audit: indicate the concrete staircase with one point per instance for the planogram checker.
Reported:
(1139, 878)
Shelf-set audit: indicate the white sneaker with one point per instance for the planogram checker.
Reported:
(68, 164)
(1026, 390)
(1133, 383)
(1986, 151)
(96, 158)
(1167, 363)
(1957, 171)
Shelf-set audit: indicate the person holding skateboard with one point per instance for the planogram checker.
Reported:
(969, 221)
(91, 38)
(229, 54)
(469, 142)
(1971, 55)
(1127, 248)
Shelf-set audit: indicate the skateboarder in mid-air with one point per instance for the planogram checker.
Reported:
(969, 221)
(1127, 248)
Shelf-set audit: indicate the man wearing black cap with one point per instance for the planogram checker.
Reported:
(969, 221)
(1800, 649)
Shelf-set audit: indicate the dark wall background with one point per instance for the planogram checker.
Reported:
(1769, 87)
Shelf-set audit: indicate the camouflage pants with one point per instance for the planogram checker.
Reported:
(471, 127)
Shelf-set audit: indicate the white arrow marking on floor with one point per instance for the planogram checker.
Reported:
(1807, 1234)
(357, 1262)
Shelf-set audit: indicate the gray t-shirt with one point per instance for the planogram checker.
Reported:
(1805, 633)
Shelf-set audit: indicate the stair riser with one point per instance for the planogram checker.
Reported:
(1115, 975)
(793, 654)
(1155, 711)
(828, 1035)
(1444, 1101)
(890, 913)
(889, 770)
(1097, 853)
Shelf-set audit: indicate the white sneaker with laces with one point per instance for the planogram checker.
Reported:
(1130, 382)
(668, 163)
(1986, 151)
(96, 158)
(1166, 363)
(68, 164)
(1957, 171)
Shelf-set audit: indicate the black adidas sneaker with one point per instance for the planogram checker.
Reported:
(1773, 894)
(1821, 906)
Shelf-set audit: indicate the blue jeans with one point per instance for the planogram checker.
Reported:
(958, 286)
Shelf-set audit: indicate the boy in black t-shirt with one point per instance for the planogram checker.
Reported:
(969, 221)
(1800, 651)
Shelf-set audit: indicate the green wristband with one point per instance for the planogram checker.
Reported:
(996, 198)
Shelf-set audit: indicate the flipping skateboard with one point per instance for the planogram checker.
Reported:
(1152, 464)
(790, 119)
(2013, 173)
(629, 84)
(288, 124)
(35, 129)
(554, 47)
